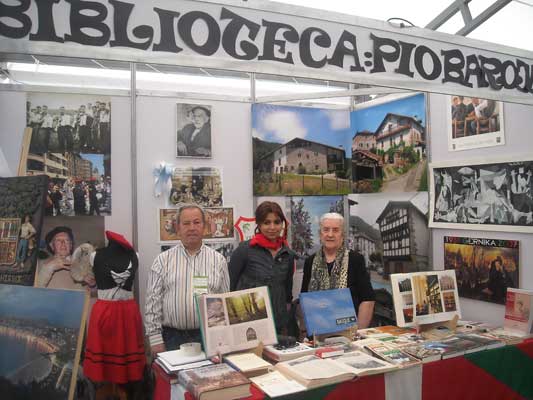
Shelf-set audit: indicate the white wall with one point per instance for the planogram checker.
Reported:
(518, 121)
(156, 142)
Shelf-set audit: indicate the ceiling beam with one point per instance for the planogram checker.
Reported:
(328, 95)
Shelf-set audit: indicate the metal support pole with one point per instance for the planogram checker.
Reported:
(252, 88)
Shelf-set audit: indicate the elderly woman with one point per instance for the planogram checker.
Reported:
(335, 267)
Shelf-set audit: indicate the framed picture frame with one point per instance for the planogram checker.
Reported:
(474, 123)
(193, 135)
(218, 224)
(483, 195)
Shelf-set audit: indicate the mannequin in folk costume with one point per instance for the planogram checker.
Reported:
(114, 351)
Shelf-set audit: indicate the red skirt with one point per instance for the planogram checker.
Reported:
(114, 351)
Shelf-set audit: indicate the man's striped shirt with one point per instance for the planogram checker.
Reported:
(170, 291)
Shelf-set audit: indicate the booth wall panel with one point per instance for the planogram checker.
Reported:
(156, 142)
(518, 120)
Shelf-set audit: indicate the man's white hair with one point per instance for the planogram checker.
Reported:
(331, 215)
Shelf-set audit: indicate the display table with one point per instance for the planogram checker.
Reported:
(503, 373)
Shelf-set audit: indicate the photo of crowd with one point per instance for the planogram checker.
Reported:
(63, 124)
(79, 197)
(486, 194)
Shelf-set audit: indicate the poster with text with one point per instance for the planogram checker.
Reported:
(485, 267)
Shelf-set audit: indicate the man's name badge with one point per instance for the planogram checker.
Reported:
(199, 284)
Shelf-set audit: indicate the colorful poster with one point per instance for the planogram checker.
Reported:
(389, 146)
(485, 267)
(299, 150)
(22, 204)
(41, 333)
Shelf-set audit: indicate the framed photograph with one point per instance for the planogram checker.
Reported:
(491, 196)
(218, 224)
(474, 123)
(41, 333)
(485, 268)
(193, 130)
(202, 186)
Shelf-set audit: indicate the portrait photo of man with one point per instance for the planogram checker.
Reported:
(194, 131)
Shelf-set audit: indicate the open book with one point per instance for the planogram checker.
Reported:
(313, 371)
(236, 321)
(425, 297)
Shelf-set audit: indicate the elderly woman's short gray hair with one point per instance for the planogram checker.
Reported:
(331, 215)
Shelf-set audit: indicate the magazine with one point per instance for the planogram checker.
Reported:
(518, 311)
(422, 351)
(328, 311)
(425, 297)
(236, 321)
(392, 355)
(215, 382)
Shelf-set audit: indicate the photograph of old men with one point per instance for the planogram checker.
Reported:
(194, 131)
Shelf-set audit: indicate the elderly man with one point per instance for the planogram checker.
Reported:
(176, 276)
(335, 267)
(55, 271)
(194, 139)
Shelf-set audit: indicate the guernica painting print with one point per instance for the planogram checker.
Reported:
(487, 196)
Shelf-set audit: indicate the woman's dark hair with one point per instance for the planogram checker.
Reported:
(265, 208)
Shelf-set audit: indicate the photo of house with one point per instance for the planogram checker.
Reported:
(391, 232)
(299, 150)
(389, 146)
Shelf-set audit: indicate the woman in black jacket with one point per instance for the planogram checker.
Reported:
(267, 260)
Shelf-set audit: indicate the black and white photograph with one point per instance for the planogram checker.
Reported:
(474, 123)
(66, 123)
(485, 196)
(202, 186)
(193, 130)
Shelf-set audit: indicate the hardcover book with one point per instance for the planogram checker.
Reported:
(248, 363)
(518, 311)
(217, 381)
(328, 311)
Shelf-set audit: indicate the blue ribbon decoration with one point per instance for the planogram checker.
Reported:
(163, 181)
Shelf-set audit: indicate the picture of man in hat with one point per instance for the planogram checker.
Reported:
(55, 271)
(194, 139)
